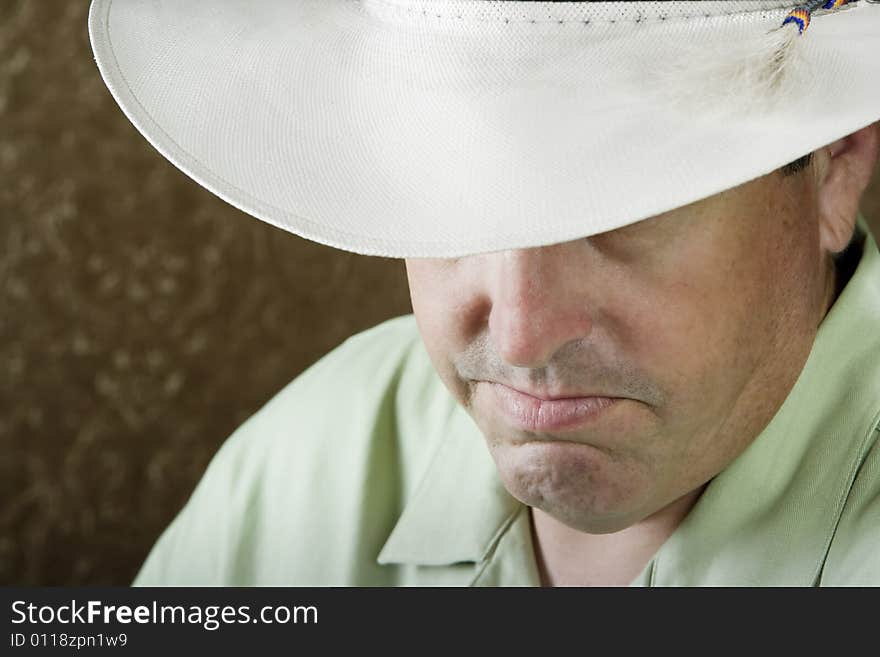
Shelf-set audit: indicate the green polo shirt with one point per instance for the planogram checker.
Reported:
(365, 471)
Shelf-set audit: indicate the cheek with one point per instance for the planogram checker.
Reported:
(724, 335)
(434, 304)
(429, 292)
(699, 332)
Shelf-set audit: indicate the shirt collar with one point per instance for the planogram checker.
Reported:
(460, 508)
(782, 497)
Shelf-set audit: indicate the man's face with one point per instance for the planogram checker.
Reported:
(696, 323)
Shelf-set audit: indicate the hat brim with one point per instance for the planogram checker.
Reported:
(382, 131)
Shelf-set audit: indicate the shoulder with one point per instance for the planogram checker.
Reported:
(853, 559)
(344, 383)
(306, 491)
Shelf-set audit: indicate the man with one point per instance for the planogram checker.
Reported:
(675, 386)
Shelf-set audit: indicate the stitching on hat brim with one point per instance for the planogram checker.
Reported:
(764, 13)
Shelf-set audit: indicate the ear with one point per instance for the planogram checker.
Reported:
(843, 171)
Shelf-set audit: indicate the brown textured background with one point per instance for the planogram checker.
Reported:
(141, 319)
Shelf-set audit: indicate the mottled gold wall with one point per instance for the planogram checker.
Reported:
(141, 319)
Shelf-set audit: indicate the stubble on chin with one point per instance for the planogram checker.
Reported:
(582, 486)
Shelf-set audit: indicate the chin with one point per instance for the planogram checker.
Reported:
(582, 486)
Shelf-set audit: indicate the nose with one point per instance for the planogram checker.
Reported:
(538, 304)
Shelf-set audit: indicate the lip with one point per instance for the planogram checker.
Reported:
(554, 415)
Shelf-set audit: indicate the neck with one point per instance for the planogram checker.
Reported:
(568, 557)
(832, 286)
(840, 269)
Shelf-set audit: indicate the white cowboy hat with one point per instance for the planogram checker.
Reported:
(444, 128)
